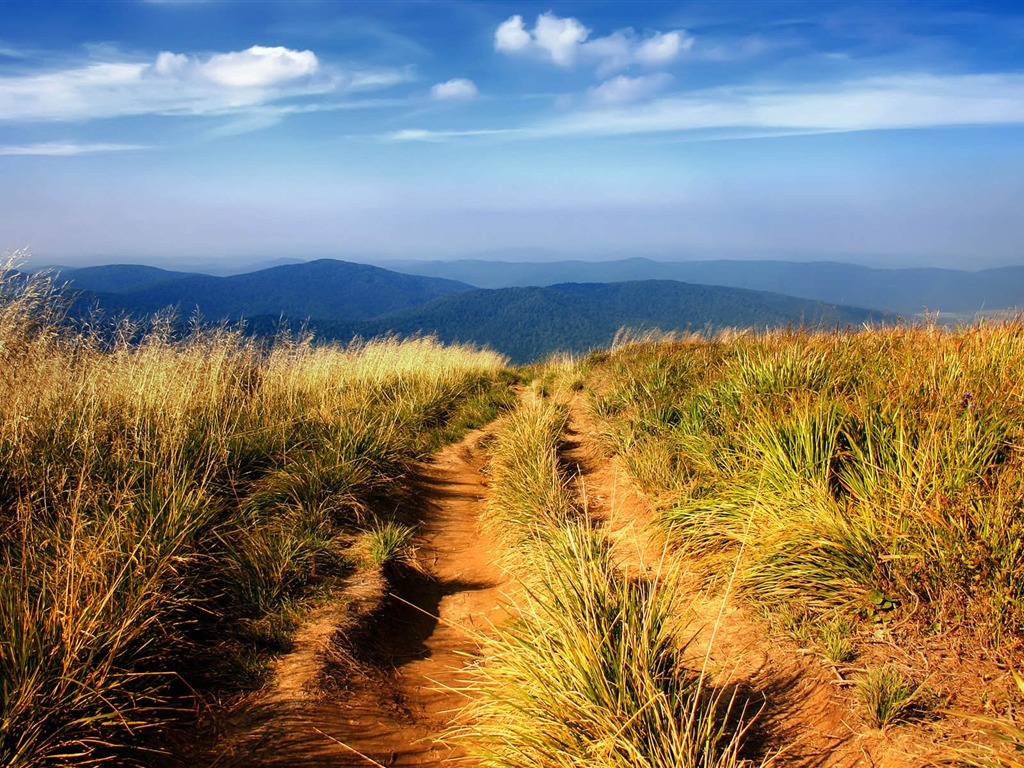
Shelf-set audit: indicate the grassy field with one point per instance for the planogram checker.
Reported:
(884, 468)
(862, 484)
(590, 669)
(169, 505)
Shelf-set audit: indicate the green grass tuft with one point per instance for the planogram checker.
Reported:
(886, 696)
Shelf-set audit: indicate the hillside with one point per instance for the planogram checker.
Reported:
(527, 323)
(325, 289)
(906, 291)
(791, 548)
(118, 278)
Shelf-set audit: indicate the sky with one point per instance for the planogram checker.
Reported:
(190, 132)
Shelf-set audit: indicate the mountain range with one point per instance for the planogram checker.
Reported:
(341, 300)
(901, 291)
(527, 323)
(323, 289)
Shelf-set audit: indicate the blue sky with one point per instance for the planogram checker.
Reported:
(186, 131)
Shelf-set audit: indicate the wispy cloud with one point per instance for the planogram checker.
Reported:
(566, 41)
(10, 52)
(66, 148)
(459, 89)
(627, 90)
(229, 83)
(912, 101)
(870, 104)
(265, 116)
(418, 134)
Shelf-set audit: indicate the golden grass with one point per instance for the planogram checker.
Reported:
(163, 500)
(888, 463)
(589, 670)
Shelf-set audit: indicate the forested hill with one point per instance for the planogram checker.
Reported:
(341, 300)
(326, 290)
(118, 278)
(527, 323)
(905, 291)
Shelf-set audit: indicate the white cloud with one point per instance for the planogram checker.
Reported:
(419, 134)
(255, 67)
(564, 41)
(259, 66)
(920, 101)
(177, 84)
(626, 90)
(411, 134)
(872, 104)
(375, 79)
(66, 148)
(459, 89)
(559, 38)
(662, 49)
(511, 35)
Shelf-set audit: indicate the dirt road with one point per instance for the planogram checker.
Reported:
(374, 680)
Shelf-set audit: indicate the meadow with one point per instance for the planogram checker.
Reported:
(170, 505)
(173, 504)
(873, 474)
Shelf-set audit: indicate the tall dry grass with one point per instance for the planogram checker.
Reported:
(888, 464)
(591, 668)
(165, 503)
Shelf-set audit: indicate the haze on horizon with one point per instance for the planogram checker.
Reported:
(178, 131)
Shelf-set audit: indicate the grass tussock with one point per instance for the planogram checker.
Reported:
(533, 496)
(590, 669)
(167, 504)
(886, 696)
(887, 463)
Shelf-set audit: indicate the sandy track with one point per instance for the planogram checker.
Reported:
(391, 688)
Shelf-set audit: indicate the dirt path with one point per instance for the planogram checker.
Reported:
(806, 720)
(373, 681)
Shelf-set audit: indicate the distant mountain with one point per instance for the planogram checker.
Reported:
(527, 323)
(324, 289)
(340, 300)
(116, 278)
(906, 291)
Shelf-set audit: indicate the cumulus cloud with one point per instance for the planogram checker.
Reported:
(512, 36)
(459, 89)
(559, 38)
(626, 90)
(178, 84)
(662, 49)
(564, 41)
(258, 66)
